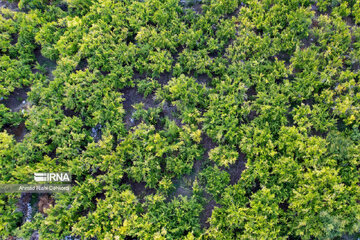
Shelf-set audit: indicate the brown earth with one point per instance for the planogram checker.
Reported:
(206, 213)
(45, 202)
(237, 168)
(16, 99)
(19, 131)
(12, 6)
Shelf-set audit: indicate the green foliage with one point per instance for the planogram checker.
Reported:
(49, 34)
(226, 111)
(215, 181)
(316, 118)
(28, 4)
(7, 154)
(223, 155)
(355, 11)
(147, 86)
(151, 115)
(168, 221)
(187, 95)
(263, 216)
(9, 117)
(13, 75)
(118, 208)
(10, 216)
(185, 89)
(166, 185)
(275, 80)
(324, 206)
(151, 154)
(79, 7)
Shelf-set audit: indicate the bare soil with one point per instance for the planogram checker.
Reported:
(35, 235)
(14, 39)
(45, 202)
(170, 111)
(132, 96)
(284, 56)
(165, 78)
(83, 64)
(69, 112)
(284, 206)
(318, 133)
(19, 131)
(49, 65)
(203, 79)
(208, 144)
(252, 116)
(307, 42)
(16, 99)
(16, 102)
(23, 204)
(140, 190)
(183, 191)
(183, 185)
(237, 168)
(206, 213)
(310, 102)
(198, 8)
(350, 21)
(256, 186)
(251, 93)
(355, 67)
(12, 6)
